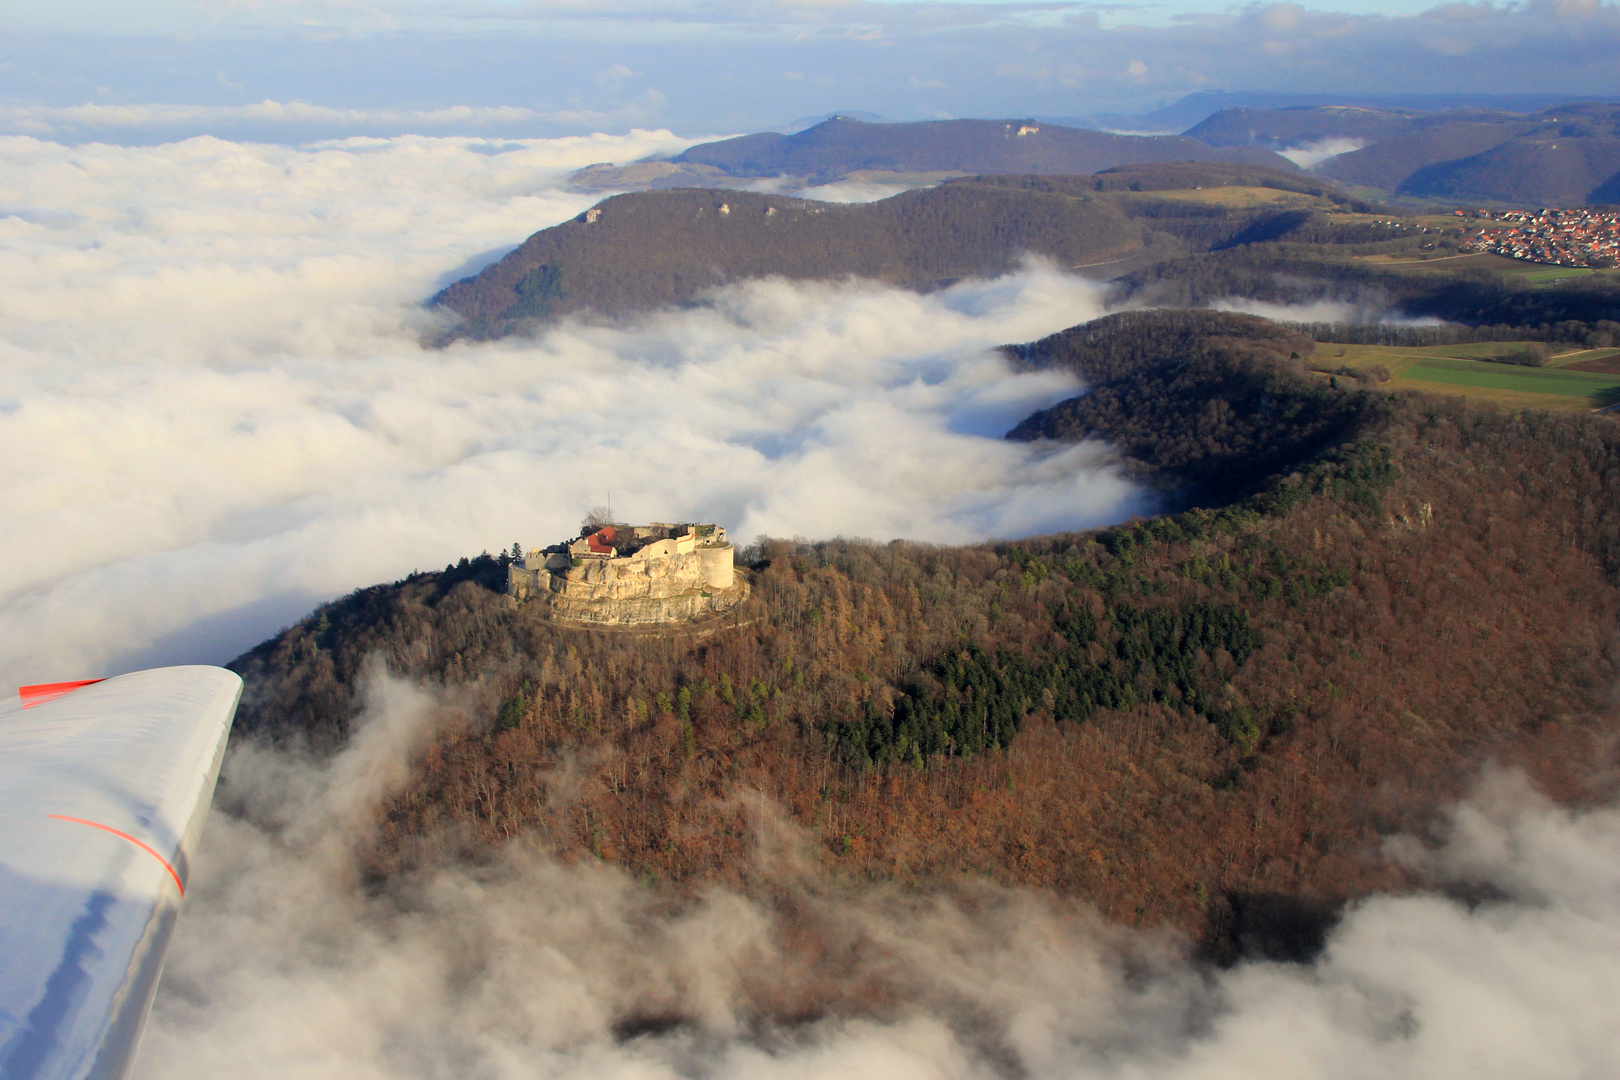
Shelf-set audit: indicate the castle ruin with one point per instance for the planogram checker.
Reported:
(631, 574)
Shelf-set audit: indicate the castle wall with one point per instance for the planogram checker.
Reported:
(522, 583)
(658, 549)
(668, 579)
(629, 579)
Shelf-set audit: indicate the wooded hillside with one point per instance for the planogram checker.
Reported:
(649, 249)
(1169, 718)
(655, 248)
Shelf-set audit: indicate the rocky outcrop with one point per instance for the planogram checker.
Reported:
(631, 574)
(642, 611)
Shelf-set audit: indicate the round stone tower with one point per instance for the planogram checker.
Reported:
(719, 566)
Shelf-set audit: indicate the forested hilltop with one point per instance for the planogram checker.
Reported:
(646, 250)
(642, 251)
(1191, 719)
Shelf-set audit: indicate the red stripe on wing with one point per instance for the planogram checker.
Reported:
(40, 693)
(125, 836)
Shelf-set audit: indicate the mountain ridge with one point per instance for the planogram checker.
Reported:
(643, 250)
(1567, 155)
(1004, 147)
(841, 147)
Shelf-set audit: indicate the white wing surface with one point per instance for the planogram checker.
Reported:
(103, 792)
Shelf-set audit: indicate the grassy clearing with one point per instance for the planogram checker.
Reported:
(1553, 274)
(1460, 369)
(1536, 275)
(1582, 384)
(1236, 197)
(1443, 262)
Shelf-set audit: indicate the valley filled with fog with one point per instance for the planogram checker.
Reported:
(217, 412)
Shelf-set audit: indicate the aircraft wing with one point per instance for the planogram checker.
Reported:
(103, 790)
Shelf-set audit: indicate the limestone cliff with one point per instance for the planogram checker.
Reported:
(631, 574)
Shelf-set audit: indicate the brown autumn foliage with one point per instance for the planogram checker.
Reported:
(644, 250)
(1163, 719)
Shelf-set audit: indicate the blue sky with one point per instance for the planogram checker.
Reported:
(530, 67)
(224, 17)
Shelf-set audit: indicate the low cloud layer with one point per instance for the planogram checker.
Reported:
(216, 410)
(1370, 309)
(284, 966)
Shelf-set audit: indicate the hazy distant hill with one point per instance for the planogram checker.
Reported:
(1547, 170)
(841, 145)
(1387, 164)
(1557, 157)
(1283, 129)
(1568, 155)
(642, 250)
(1193, 109)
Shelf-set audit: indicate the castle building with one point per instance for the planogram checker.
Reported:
(628, 574)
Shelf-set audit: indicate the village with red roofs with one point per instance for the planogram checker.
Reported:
(1577, 237)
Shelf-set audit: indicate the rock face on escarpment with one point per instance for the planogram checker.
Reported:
(629, 575)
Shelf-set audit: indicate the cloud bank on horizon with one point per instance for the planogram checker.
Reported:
(295, 71)
(215, 409)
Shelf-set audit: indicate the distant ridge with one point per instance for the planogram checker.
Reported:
(793, 127)
(1567, 155)
(1281, 129)
(1194, 109)
(910, 154)
(843, 145)
(643, 250)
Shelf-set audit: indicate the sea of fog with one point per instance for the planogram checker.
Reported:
(216, 412)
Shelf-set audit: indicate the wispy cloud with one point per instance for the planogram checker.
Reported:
(1310, 155)
(88, 119)
(284, 965)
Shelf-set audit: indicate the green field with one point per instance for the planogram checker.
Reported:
(1546, 275)
(1455, 369)
(1527, 380)
(1536, 275)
